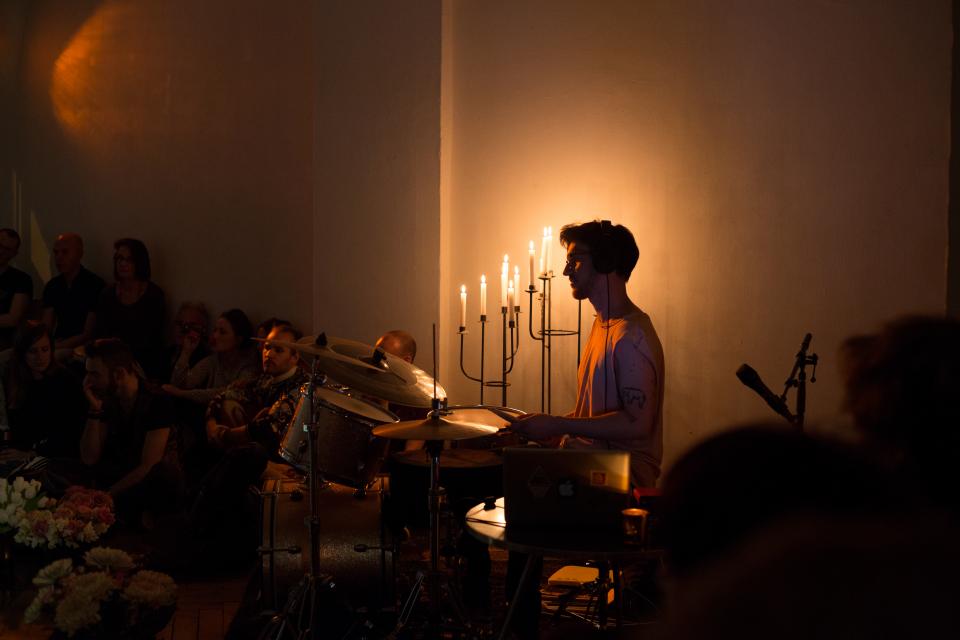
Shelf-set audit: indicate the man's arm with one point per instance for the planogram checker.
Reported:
(18, 306)
(637, 388)
(153, 447)
(81, 338)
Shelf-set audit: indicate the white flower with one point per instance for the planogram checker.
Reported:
(44, 597)
(107, 558)
(53, 572)
(76, 611)
(151, 588)
(30, 492)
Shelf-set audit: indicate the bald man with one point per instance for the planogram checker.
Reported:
(398, 343)
(70, 299)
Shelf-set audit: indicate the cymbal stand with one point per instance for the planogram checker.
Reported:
(299, 619)
(438, 584)
(546, 333)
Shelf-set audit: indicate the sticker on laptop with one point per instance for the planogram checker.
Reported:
(598, 478)
(539, 483)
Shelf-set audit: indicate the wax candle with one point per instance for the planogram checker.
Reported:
(533, 280)
(463, 305)
(547, 263)
(504, 276)
(483, 296)
(516, 286)
(543, 253)
(510, 300)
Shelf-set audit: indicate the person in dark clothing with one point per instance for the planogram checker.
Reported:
(133, 308)
(126, 432)
(70, 299)
(45, 403)
(191, 332)
(16, 288)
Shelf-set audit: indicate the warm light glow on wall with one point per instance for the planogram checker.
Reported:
(82, 72)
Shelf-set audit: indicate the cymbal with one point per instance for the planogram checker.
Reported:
(439, 428)
(358, 366)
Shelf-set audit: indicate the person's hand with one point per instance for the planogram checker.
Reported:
(535, 426)
(14, 455)
(170, 390)
(96, 404)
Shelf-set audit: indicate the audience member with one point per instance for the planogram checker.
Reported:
(191, 330)
(45, 402)
(730, 485)
(127, 430)
(269, 403)
(902, 386)
(16, 288)
(264, 329)
(234, 358)
(399, 343)
(132, 309)
(70, 298)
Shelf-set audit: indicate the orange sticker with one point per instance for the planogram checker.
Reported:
(598, 478)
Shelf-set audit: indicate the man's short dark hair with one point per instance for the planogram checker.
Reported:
(609, 244)
(138, 255)
(115, 355)
(11, 233)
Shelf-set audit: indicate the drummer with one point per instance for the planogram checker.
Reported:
(401, 344)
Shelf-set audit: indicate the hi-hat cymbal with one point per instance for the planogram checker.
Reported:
(369, 371)
(439, 428)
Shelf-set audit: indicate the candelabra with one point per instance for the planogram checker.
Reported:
(511, 324)
(547, 333)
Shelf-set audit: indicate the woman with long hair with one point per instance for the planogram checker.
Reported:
(133, 307)
(234, 358)
(44, 400)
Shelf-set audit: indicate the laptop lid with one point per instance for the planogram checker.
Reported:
(583, 489)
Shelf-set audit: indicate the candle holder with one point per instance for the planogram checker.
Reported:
(545, 335)
(508, 357)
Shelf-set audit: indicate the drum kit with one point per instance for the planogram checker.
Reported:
(338, 439)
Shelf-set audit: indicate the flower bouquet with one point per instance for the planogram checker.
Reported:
(107, 596)
(18, 498)
(81, 516)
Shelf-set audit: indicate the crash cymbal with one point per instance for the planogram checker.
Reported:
(439, 428)
(369, 371)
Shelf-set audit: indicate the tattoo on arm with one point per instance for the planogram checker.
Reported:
(633, 397)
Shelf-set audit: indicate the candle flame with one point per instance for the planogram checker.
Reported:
(463, 288)
(531, 246)
(483, 279)
(516, 270)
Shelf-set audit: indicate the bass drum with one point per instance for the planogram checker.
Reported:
(347, 518)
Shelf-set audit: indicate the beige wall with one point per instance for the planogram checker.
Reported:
(185, 126)
(783, 166)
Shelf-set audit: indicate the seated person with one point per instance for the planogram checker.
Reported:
(70, 298)
(133, 308)
(45, 402)
(234, 358)
(16, 288)
(269, 401)
(252, 434)
(191, 333)
(398, 343)
(126, 433)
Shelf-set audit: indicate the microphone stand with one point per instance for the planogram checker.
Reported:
(798, 379)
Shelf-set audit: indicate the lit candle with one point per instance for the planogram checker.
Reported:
(532, 277)
(510, 298)
(516, 286)
(483, 297)
(547, 264)
(543, 253)
(463, 305)
(504, 276)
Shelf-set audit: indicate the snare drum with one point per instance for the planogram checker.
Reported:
(348, 453)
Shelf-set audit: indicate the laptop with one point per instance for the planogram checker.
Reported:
(572, 489)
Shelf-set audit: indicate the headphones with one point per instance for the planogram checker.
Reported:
(604, 252)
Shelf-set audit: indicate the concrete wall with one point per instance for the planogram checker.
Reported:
(782, 164)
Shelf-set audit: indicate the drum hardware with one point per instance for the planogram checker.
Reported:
(369, 371)
(299, 616)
